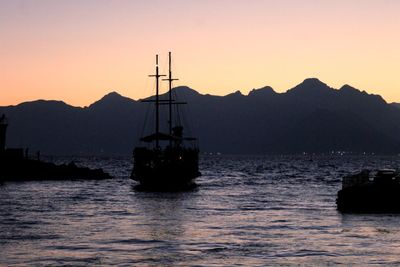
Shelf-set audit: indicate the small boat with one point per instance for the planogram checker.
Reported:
(166, 160)
(15, 165)
(370, 193)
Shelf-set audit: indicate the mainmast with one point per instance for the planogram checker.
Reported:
(157, 76)
(170, 80)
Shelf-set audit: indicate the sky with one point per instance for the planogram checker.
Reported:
(79, 50)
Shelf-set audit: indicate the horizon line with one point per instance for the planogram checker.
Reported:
(204, 94)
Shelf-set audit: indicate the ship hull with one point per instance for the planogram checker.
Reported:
(370, 198)
(165, 170)
(165, 181)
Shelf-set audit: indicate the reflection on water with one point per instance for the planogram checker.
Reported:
(165, 224)
(250, 211)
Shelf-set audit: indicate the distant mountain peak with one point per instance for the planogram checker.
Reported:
(264, 91)
(347, 87)
(111, 99)
(112, 94)
(185, 90)
(310, 85)
(349, 90)
(313, 82)
(41, 103)
(235, 94)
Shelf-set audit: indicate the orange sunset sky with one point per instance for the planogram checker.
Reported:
(79, 50)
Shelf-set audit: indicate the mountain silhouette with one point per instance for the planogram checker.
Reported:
(396, 105)
(311, 117)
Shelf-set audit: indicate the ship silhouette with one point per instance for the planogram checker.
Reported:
(366, 193)
(166, 160)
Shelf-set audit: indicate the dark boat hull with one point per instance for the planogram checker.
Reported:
(370, 198)
(165, 170)
(165, 178)
(165, 182)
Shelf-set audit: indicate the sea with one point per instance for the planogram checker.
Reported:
(245, 211)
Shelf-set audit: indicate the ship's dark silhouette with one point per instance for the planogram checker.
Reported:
(365, 193)
(17, 165)
(311, 117)
(166, 160)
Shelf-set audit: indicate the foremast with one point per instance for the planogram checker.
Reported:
(157, 103)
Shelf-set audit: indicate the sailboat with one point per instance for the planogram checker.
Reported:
(166, 160)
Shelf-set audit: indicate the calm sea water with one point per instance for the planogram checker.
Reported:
(246, 211)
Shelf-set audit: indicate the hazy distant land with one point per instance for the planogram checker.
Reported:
(311, 117)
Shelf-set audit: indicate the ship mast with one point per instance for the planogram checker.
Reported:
(157, 102)
(170, 80)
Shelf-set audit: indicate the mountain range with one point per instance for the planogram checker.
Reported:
(311, 117)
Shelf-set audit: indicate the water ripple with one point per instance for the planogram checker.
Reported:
(246, 211)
